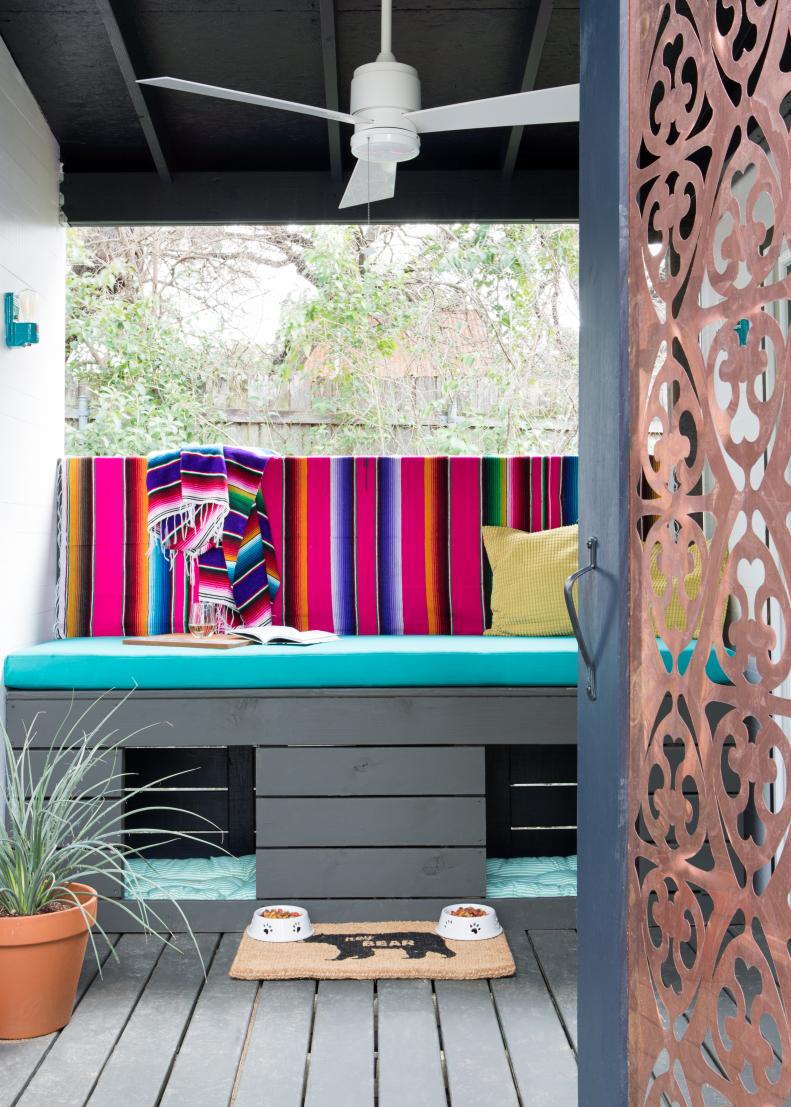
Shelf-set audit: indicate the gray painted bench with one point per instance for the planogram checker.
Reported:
(369, 801)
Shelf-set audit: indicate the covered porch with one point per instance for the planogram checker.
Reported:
(682, 157)
(149, 1028)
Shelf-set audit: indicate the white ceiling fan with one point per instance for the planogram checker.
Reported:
(388, 119)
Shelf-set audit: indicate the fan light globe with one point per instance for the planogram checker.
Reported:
(385, 144)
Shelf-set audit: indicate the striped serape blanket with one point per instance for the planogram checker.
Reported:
(205, 504)
(363, 545)
(392, 545)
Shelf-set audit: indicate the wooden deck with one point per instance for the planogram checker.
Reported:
(151, 1030)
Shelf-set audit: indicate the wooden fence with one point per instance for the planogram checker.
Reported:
(304, 415)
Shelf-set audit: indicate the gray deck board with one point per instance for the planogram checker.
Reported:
(543, 1062)
(342, 1055)
(136, 1072)
(477, 1064)
(275, 1064)
(68, 1073)
(153, 1031)
(410, 1070)
(19, 1060)
(557, 955)
(205, 1068)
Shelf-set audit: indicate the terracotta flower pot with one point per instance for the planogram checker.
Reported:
(40, 961)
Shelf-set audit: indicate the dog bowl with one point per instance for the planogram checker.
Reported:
(469, 928)
(295, 927)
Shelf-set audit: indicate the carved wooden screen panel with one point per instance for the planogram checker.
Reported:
(710, 231)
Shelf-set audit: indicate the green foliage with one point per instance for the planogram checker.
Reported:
(485, 313)
(63, 825)
(146, 377)
(425, 340)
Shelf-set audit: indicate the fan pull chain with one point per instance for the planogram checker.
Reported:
(368, 197)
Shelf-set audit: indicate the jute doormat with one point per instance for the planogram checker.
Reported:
(369, 951)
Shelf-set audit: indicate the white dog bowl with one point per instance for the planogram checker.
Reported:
(463, 928)
(294, 929)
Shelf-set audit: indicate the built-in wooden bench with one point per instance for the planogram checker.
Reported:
(366, 775)
(358, 798)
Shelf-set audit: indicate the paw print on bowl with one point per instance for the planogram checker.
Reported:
(296, 928)
(468, 922)
(266, 929)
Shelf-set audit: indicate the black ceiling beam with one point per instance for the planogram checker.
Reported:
(122, 41)
(329, 58)
(538, 35)
(427, 196)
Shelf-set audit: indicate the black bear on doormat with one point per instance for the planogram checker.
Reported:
(359, 946)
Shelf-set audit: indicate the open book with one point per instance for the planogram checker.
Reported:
(284, 636)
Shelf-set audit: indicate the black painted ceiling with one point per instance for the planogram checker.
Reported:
(463, 49)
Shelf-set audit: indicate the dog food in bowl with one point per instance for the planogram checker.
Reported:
(468, 922)
(280, 922)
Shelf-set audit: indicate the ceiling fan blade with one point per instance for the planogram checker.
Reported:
(178, 85)
(371, 180)
(545, 105)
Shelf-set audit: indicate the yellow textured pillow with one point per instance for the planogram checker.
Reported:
(676, 613)
(528, 574)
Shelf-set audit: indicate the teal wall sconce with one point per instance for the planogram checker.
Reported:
(20, 328)
(741, 328)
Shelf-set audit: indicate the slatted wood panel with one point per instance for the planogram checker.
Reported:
(154, 1031)
(531, 800)
(349, 822)
(104, 778)
(370, 771)
(365, 821)
(319, 716)
(288, 874)
(205, 783)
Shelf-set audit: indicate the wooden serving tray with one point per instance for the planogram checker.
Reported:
(216, 642)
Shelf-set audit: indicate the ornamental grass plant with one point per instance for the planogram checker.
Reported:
(61, 825)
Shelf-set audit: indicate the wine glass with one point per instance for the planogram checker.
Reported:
(202, 620)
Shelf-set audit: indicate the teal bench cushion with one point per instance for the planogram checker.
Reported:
(418, 661)
(354, 662)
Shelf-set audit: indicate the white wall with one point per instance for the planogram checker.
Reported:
(32, 248)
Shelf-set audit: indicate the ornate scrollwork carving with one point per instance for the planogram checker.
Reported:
(710, 807)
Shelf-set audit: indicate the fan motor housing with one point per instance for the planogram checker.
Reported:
(381, 93)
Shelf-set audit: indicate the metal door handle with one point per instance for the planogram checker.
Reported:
(587, 657)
